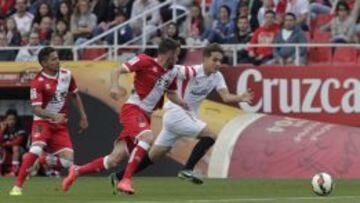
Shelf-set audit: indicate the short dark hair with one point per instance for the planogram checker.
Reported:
(44, 53)
(214, 47)
(243, 18)
(291, 14)
(227, 8)
(342, 4)
(270, 12)
(11, 112)
(168, 44)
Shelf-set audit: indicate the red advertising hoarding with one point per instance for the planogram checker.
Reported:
(322, 93)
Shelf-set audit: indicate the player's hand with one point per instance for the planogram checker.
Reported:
(248, 96)
(59, 118)
(116, 92)
(84, 124)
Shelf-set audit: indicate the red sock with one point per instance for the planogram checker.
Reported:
(135, 158)
(28, 161)
(96, 165)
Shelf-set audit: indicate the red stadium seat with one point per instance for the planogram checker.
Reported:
(345, 55)
(321, 37)
(93, 53)
(358, 58)
(319, 55)
(323, 19)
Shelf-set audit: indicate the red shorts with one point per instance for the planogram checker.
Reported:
(135, 121)
(55, 136)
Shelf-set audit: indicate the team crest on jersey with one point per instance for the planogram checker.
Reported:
(37, 131)
(141, 122)
(47, 86)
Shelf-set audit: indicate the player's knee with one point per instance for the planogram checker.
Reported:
(148, 138)
(206, 132)
(36, 150)
(111, 161)
(66, 163)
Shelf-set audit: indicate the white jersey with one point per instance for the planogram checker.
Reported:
(194, 86)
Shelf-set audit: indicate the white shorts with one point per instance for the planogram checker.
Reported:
(178, 123)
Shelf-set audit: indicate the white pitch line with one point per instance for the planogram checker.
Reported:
(241, 200)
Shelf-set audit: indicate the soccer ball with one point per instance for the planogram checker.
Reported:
(322, 184)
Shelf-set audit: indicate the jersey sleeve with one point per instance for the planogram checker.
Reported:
(134, 64)
(73, 87)
(221, 84)
(173, 85)
(36, 93)
(185, 72)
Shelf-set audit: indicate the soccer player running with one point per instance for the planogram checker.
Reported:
(195, 83)
(153, 77)
(49, 93)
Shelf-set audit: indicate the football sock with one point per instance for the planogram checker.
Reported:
(96, 165)
(198, 152)
(28, 161)
(135, 158)
(145, 162)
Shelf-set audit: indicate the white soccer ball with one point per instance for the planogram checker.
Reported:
(322, 184)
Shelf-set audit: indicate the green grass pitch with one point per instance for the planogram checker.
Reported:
(158, 190)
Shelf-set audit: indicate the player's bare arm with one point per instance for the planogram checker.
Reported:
(55, 117)
(174, 97)
(115, 90)
(76, 99)
(227, 97)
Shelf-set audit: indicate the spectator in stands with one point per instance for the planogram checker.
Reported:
(153, 19)
(244, 11)
(323, 7)
(217, 4)
(35, 4)
(301, 9)
(83, 22)
(64, 13)
(267, 5)
(172, 31)
(62, 30)
(119, 5)
(45, 31)
(289, 34)
(12, 33)
(243, 36)
(264, 35)
(342, 26)
(23, 18)
(12, 138)
(222, 29)
(42, 11)
(27, 53)
(99, 8)
(196, 24)
(124, 33)
(64, 54)
(6, 55)
(6, 8)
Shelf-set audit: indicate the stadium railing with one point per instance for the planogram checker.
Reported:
(231, 49)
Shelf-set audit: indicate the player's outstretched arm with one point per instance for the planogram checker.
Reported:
(115, 89)
(227, 97)
(76, 99)
(174, 97)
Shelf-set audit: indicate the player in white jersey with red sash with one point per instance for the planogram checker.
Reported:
(49, 93)
(194, 84)
(153, 78)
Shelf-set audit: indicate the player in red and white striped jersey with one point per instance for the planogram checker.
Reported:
(153, 78)
(195, 83)
(49, 93)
